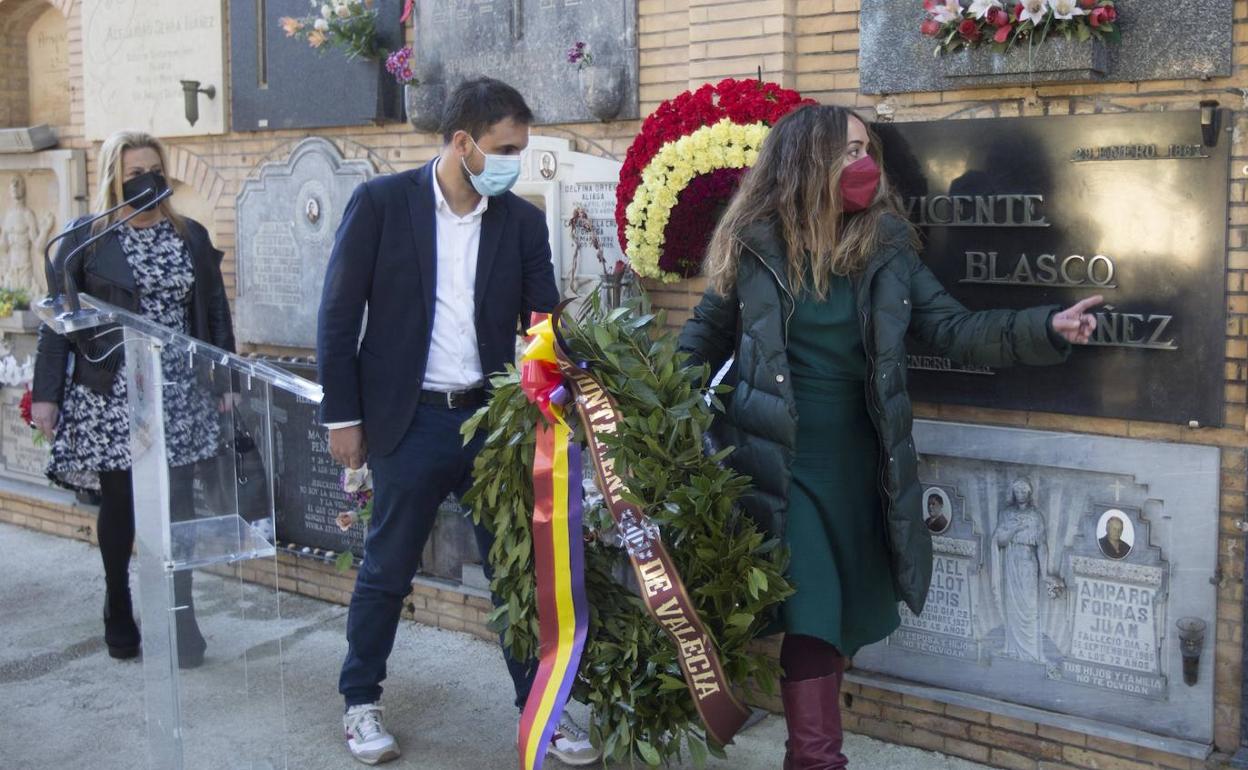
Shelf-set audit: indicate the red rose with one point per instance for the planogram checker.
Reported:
(1003, 33)
(1098, 17)
(1087, 3)
(28, 399)
(968, 29)
(997, 17)
(1111, 15)
(930, 28)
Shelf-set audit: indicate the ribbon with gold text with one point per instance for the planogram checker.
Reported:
(664, 594)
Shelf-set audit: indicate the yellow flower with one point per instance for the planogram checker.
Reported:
(665, 197)
(674, 166)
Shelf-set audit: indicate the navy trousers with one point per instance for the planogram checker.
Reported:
(408, 486)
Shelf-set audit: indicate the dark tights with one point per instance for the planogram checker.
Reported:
(808, 657)
(114, 526)
(115, 529)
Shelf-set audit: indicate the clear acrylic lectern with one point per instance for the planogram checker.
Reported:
(202, 457)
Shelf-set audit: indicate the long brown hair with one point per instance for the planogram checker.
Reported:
(795, 186)
(112, 175)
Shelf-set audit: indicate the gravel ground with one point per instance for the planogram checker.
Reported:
(448, 698)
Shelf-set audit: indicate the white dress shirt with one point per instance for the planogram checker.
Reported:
(454, 362)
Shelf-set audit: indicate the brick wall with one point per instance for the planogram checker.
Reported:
(810, 45)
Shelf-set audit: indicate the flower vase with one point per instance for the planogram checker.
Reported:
(1052, 60)
(613, 289)
(602, 89)
(423, 101)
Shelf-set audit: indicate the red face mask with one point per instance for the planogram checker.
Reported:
(859, 182)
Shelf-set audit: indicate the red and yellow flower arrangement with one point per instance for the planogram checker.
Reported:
(685, 165)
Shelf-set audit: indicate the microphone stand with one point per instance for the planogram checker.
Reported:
(47, 250)
(70, 285)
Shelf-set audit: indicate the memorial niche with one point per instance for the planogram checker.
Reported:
(1057, 583)
(279, 83)
(1047, 211)
(308, 496)
(561, 181)
(135, 52)
(1159, 42)
(287, 216)
(525, 43)
(47, 62)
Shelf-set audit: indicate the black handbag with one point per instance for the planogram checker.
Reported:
(249, 473)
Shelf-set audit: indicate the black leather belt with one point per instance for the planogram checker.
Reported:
(455, 399)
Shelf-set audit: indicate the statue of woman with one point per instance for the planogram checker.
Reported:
(24, 237)
(1017, 572)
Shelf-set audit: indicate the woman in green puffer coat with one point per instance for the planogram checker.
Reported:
(814, 284)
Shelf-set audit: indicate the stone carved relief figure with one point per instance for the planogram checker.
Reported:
(23, 236)
(1020, 561)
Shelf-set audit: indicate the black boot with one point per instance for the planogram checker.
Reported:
(191, 644)
(121, 633)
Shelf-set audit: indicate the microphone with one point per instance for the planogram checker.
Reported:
(47, 250)
(70, 285)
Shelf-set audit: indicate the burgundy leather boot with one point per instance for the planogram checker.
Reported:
(812, 713)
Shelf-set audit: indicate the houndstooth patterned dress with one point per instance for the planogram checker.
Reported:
(94, 431)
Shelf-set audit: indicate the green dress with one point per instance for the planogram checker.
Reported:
(839, 563)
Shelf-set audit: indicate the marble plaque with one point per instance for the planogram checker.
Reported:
(47, 62)
(287, 216)
(308, 495)
(947, 625)
(20, 458)
(1062, 564)
(1161, 40)
(525, 43)
(136, 52)
(560, 180)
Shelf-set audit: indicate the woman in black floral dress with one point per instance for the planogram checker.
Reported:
(164, 267)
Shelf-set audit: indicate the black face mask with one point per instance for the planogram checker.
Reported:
(152, 180)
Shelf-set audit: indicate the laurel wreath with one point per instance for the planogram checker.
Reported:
(629, 672)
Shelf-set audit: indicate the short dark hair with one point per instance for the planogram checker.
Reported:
(476, 105)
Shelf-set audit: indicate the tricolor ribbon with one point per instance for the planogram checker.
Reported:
(558, 549)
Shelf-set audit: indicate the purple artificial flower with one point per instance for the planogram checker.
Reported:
(399, 64)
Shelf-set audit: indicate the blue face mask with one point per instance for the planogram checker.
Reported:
(497, 177)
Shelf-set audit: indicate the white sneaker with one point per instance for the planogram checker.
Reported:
(367, 738)
(570, 744)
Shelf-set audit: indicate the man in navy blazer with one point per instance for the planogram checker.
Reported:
(447, 262)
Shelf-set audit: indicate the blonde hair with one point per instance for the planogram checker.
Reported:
(112, 175)
(795, 187)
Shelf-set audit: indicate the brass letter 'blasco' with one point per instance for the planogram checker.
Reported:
(1046, 270)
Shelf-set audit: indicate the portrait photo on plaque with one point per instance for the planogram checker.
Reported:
(1115, 534)
(937, 512)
